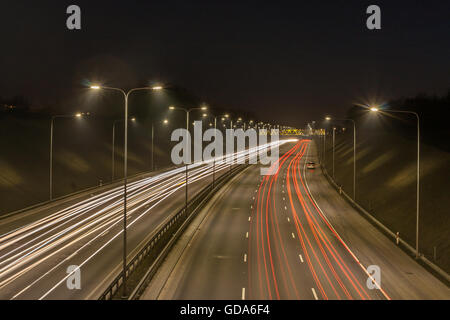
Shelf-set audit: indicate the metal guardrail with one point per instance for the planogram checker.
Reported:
(387, 231)
(157, 247)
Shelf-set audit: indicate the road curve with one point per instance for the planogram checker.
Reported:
(37, 248)
(288, 236)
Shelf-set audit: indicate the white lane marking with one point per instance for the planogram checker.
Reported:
(338, 236)
(301, 258)
(251, 207)
(246, 235)
(293, 236)
(249, 218)
(285, 208)
(96, 252)
(101, 197)
(243, 293)
(289, 220)
(314, 293)
(245, 257)
(284, 199)
(253, 198)
(283, 191)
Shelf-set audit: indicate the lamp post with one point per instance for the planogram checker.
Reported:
(214, 159)
(113, 146)
(226, 116)
(375, 109)
(324, 146)
(126, 95)
(153, 146)
(319, 142)
(354, 151)
(165, 121)
(188, 111)
(334, 139)
(77, 115)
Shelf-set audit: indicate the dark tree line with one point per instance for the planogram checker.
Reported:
(434, 112)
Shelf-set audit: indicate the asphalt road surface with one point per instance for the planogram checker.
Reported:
(288, 236)
(38, 246)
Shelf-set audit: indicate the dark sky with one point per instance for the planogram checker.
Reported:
(286, 61)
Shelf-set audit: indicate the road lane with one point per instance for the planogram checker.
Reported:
(34, 257)
(285, 245)
(401, 276)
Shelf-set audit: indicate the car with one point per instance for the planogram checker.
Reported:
(310, 165)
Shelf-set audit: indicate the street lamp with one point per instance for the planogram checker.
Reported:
(188, 111)
(126, 96)
(165, 121)
(375, 110)
(334, 140)
(215, 139)
(354, 152)
(114, 145)
(78, 115)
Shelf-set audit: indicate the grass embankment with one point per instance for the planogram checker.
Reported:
(386, 186)
(82, 157)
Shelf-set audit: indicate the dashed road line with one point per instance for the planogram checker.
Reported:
(301, 258)
(315, 294)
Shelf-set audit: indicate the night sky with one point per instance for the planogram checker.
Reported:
(289, 62)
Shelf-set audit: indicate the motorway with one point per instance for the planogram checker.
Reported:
(287, 236)
(38, 246)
